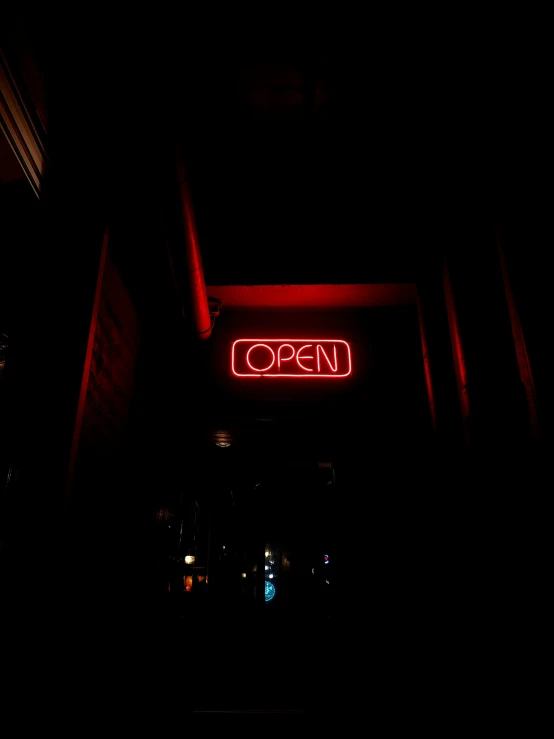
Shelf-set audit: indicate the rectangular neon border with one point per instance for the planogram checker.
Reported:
(280, 374)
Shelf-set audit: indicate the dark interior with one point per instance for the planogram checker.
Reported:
(178, 540)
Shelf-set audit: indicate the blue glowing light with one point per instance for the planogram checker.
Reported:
(269, 590)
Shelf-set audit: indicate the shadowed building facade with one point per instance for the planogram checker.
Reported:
(158, 462)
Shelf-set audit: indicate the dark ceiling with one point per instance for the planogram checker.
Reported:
(314, 156)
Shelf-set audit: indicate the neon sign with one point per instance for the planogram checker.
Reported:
(291, 358)
(269, 590)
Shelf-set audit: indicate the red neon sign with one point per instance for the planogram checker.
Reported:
(291, 358)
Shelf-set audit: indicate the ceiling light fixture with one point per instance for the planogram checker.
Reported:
(222, 438)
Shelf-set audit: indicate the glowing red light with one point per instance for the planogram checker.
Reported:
(291, 358)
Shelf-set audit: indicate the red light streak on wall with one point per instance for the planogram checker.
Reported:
(86, 368)
(522, 355)
(458, 352)
(293, 358)
(427, 365)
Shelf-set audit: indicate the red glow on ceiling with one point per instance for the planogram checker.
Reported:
(313, 297)
(291, 358)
